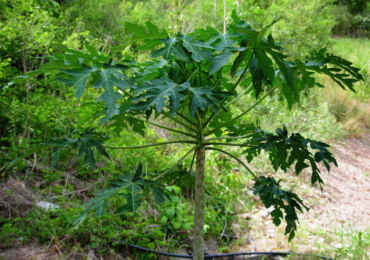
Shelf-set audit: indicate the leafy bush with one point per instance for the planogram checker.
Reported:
(352, 20)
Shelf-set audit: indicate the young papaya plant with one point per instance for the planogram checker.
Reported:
(193, 80)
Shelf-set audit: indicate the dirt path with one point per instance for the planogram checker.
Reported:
(344, 203)
(348, 187)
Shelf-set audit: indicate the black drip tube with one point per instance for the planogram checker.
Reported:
(144, 249)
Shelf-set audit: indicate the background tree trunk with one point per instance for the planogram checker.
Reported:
(198, 240)
(215, 13)
(225, 16)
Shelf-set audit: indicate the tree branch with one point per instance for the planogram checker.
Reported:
(179, 122)
(151, 145)
(246, 111)
(164, 127)
(186, 119)
(179, 161)
(228, 137)
(235, 86)
(239, 96)
(234, 157)
(192, 161)
(225, 144)
(200, 126)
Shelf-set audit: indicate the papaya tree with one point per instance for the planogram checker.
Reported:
(193, 81)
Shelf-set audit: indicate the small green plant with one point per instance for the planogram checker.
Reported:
(175, 215)
(353, 244)
(192, 80)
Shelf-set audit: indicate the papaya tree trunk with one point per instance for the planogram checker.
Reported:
(198, 234)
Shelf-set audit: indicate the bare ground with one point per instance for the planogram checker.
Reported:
(348, 187)
(343, 204)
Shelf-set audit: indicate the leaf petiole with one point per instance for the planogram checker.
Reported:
(245, 112)
(151, 145)
(234, 157)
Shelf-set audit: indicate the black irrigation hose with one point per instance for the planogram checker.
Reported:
(220, 255)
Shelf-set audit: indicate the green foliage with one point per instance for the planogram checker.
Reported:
(352, 18)
(285, 151)
(354, 244)
(305, 25)
(97, 234)
(271, 194)
(88, 142)
(156, 93)
(76, 68)
(354, 49)
(134, 186)
(175, 216)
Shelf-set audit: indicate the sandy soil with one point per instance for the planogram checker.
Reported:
(348, 187)
(343, 204)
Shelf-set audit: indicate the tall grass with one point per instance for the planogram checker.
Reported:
(351, 110)
(358, 52)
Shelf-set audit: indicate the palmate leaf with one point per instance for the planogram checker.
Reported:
(76, 68)
(265, 63)
(289, 89)
(158, 94)
(109, 78)
(285, 150)
(163, 93)
(88, 143)
(150, 35)
(69, 60)
(132, 187)
(78, 78)
(242, 57)
(124, 119)
(269, 191)
(172, 50)
(205, 97)
(222, 41)
(265, 51)
(337, 68)
(199, 50)
(219, 61)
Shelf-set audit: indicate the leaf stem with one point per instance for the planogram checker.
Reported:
(235, 86)
(226, 144)
(192, 161)
(180, 122)
(164, 127)
(239, 96)
(186, 119)
(179, 161)
(246, 111)
(201, 137)
(150, 145)
(234, 157)
(228, 137)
